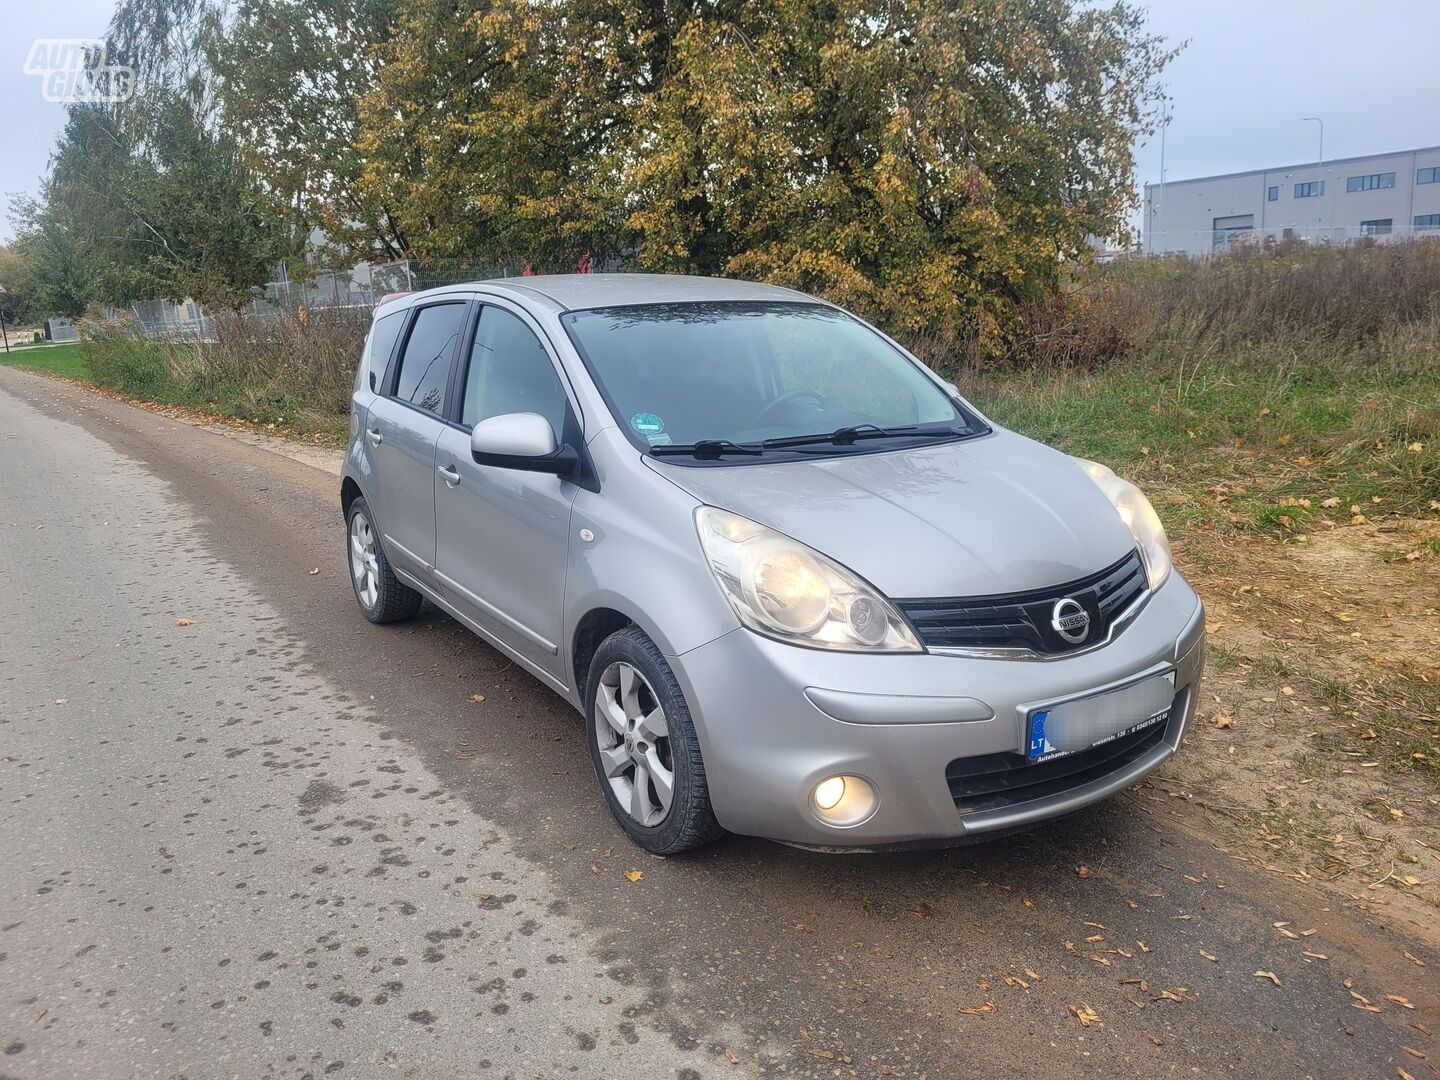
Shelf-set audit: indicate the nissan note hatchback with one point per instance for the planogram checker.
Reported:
(797, 586)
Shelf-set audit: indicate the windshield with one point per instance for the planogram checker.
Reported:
(747, 374)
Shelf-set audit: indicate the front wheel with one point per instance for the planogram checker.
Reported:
(643, 745)
(382, 596)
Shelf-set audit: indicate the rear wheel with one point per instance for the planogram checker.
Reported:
(643, 745)
(382, 596)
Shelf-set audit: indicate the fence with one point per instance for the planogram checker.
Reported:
(362, 286)
(1218, 241)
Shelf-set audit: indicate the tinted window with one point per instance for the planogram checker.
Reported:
(510, 372)
(425, 366)
(378, 347)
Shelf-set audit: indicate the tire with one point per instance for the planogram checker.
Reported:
(620, 744)
(371, 574)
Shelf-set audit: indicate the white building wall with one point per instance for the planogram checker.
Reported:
(1182, 216)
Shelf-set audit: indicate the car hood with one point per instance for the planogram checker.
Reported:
(995, 514)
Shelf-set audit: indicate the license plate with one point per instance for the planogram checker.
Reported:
(1079, 724)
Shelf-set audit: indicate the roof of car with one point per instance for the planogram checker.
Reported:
(572, 292)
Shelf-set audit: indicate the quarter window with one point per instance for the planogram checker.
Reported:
(1427, 176)
(511, 372)
(1310, 190)
(1372, 182)
(378, 347)
(1272, 193)
(1377, 227)
(429, 352)
(1427, 221)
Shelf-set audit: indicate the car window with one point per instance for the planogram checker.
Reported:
(425, 365)
(511, 372)
(378, 346)
(749, 371)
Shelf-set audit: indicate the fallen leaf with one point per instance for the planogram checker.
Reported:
(1404, 1003)
(477, 697)
(814, 1051)
(1414, 959)
(1083, 871)
(62, 701)
(1268, 975)
(1085, 1014)
(979, 1010)
(1416, 1054)
(1209, 956)
(634, 875)
(1224, 721)
(315, 571)
(730, 1056)
(184, 622)
(1403, 1074)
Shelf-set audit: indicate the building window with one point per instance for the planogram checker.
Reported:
(1272, 194)
(1310, 190)
(1427, 176)
(1377, 227)
(1427, 221)
(1372, 182)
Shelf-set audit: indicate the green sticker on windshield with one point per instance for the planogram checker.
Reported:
(647, 423)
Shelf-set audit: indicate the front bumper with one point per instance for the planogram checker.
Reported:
(757, 706)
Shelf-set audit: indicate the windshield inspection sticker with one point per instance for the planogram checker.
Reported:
(647, 424)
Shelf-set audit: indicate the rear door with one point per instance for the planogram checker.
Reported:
(503, 534)
(402, 427)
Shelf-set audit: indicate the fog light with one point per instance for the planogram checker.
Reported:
(828, 793)
(843, 801)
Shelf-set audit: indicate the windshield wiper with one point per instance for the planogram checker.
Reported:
(707, 449)
(846, 435)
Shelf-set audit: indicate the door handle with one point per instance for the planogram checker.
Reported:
(374, 436)
(449, 474)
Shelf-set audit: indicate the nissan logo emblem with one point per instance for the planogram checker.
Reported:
(1070, 620)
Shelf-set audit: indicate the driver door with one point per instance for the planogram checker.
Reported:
(502, 535)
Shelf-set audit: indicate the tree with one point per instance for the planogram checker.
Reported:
(292, 74)
(149, 198)
(930, 162)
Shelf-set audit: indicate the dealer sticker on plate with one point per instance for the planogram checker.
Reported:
(1081, 723)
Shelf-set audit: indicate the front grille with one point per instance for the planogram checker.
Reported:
(1023, 620)
(996, 780)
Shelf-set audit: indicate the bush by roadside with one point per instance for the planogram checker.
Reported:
(294, 369)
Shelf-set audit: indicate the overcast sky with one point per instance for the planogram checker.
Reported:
(1252, 69)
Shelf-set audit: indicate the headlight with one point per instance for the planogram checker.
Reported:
(785, 590)
(1137, 513)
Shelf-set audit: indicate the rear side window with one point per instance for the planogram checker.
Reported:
(378, 347)
(425, 363)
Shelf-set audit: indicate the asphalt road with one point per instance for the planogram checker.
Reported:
(278, 841)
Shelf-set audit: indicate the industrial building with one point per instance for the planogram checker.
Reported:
(1384, 196)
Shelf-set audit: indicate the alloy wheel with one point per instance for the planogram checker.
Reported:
(364, 561)
(634, 742)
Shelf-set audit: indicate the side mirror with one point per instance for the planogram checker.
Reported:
(521, 441)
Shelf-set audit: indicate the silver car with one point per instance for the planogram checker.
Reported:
(797, 586)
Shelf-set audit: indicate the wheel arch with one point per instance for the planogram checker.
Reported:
(349, 492)
(590, 630)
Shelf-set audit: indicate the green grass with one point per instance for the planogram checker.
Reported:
(51, 359)
(1244, 443)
